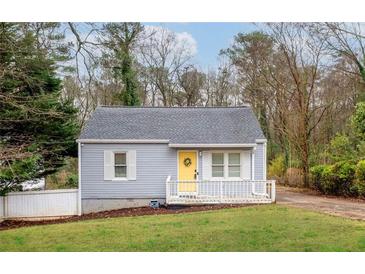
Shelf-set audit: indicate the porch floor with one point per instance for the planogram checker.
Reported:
(206, 199)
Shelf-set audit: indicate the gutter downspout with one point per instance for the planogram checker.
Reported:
(258, 194)
(167, 195)
(253, 191)
(79, 204)
(253, 164)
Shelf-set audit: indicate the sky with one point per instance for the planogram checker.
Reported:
(204, 40)
(210, 38)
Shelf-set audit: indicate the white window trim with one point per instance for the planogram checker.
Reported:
(224, 166)
(240, 165)
(225, 162)
(126, 166)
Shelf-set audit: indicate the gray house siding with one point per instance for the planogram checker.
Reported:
(154, 162)
(145, 135)
(259, 165)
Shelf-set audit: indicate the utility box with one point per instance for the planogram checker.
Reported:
(154, 204)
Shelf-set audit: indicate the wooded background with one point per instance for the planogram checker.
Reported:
(304, 81)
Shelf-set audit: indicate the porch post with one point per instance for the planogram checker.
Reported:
(273, 191)
(253, 164)
(265, 160)
(167, 195)
(221, 191)
(79, 197)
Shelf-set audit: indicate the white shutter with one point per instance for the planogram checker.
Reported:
(207, 165)
(131, 165)
(245, 165)
(108, 165)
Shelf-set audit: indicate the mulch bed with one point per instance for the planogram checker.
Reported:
(124, 212)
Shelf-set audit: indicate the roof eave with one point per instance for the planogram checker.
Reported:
(224, 145)
(122, 141)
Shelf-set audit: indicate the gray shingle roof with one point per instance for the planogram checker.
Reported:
(186, 125)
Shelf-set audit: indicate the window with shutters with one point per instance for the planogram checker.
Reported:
(120, 165)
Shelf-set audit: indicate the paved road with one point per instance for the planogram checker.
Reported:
(334, 206)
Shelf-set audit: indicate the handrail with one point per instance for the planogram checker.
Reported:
(219, 191)
(167, 195)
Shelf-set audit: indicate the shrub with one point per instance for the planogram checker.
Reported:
(321, 176)
(337, 179)
(358, 188)
(344, 175)
(294, 177)
(277, 167)
(66, 177)
(340, 149)
(316, 175)
(72, 181)
(358, 118)
(360, 147)
(360, 171)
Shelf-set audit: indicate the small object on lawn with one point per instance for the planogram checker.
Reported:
(154, 204)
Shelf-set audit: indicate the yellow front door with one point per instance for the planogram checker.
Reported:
(187, 171)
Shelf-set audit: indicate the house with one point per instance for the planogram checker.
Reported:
(130, 156)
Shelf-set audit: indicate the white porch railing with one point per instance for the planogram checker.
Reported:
(215, 192)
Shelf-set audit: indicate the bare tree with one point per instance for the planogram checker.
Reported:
(162, 55)
(191, 82)
(85, 54)
(303, 55)
(346, 40)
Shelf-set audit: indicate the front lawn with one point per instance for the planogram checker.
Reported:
(256, 228)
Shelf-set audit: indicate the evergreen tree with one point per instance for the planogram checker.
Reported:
(120, 39)
(37, 128)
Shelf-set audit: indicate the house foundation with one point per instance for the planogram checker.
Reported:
(97, 205)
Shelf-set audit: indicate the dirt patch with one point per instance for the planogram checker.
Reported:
(344, 207)
(309, 191)
(125, 212)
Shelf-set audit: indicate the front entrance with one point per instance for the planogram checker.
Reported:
(187, 171)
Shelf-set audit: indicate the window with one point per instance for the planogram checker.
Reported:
(120, 165)
(226, 164)
(217, 165)
(234, 165)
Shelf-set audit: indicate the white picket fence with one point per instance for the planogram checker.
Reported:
(40, 204)
(2, 210)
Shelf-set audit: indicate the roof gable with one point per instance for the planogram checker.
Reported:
(184, 125)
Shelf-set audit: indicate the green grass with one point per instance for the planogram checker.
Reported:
(256, 228)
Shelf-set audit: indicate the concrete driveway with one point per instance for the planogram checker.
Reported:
(335, 206)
